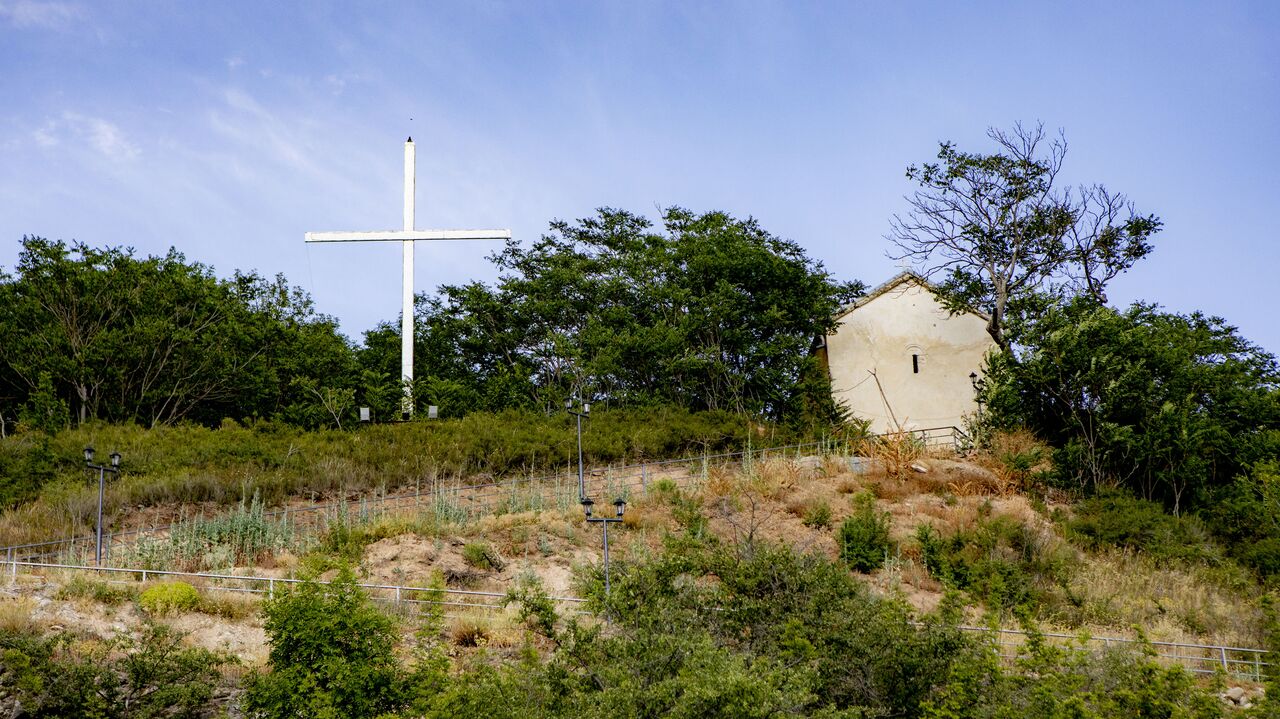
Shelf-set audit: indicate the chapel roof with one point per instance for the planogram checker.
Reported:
(898, 279)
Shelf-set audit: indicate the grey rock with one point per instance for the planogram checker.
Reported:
(859, 465)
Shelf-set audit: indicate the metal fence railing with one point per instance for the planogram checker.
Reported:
(401, 595)
(1239, 662)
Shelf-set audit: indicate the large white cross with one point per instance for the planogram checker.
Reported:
(407, 237)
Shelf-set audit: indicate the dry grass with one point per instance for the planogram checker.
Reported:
(894, 489)
(772, 499)
(1119, 589)
(97, 590)
(36, 522)
(1014, 457)
(17, 615)
(476, 628)
(895, 452)
(848, 485)
(235, 606)
(644, 517)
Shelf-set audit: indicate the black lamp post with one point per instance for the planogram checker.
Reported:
(979, 384)
(114, 468)
(583, 412)
(620, 505)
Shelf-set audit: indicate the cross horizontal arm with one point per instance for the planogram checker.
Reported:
(405, 235)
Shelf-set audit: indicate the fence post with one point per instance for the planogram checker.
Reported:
(271, 588)
(397, 595)
(1224, 659)
(144, 576)
(644, 477)
(13, 567)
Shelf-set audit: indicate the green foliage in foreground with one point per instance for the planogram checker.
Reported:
(700, 630)
(332, 657)
(147, 675)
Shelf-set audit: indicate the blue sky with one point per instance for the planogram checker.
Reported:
(230, 129)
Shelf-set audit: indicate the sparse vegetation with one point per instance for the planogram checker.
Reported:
(817, 515)
(97, 590)
(999, 561)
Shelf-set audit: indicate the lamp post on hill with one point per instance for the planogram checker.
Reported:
(979, 386)
(620, 505)
(102, 481)
(582, 412)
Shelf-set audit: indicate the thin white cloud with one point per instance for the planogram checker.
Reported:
(102, 135)
(50, 15)
(46, 135)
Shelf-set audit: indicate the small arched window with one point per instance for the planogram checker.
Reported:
(917, 358)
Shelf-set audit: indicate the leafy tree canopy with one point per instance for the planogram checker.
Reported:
(706, 312)
(156, 340)
(1171, 406)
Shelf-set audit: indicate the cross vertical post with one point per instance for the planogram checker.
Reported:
(406, 299)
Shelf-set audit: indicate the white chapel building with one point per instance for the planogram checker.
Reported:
(899, 359)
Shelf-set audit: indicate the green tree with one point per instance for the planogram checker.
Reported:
(1000, 231)
(1171, 406)
(708, 312)
(158, 340)
(332, 657)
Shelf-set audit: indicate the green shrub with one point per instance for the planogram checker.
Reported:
(143, 675)
(482, 556)
(1000, 561)
(1120, 520)
(332, 655)
(817, 515)
(169, 597)
(863, 538)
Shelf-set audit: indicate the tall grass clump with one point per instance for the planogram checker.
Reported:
(243, 536)
(895, 451)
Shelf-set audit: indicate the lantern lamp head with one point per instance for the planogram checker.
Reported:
(621, 505)
(115, 460)
(586, 506)
(88, 455)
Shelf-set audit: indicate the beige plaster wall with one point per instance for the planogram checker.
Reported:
(881, 336)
